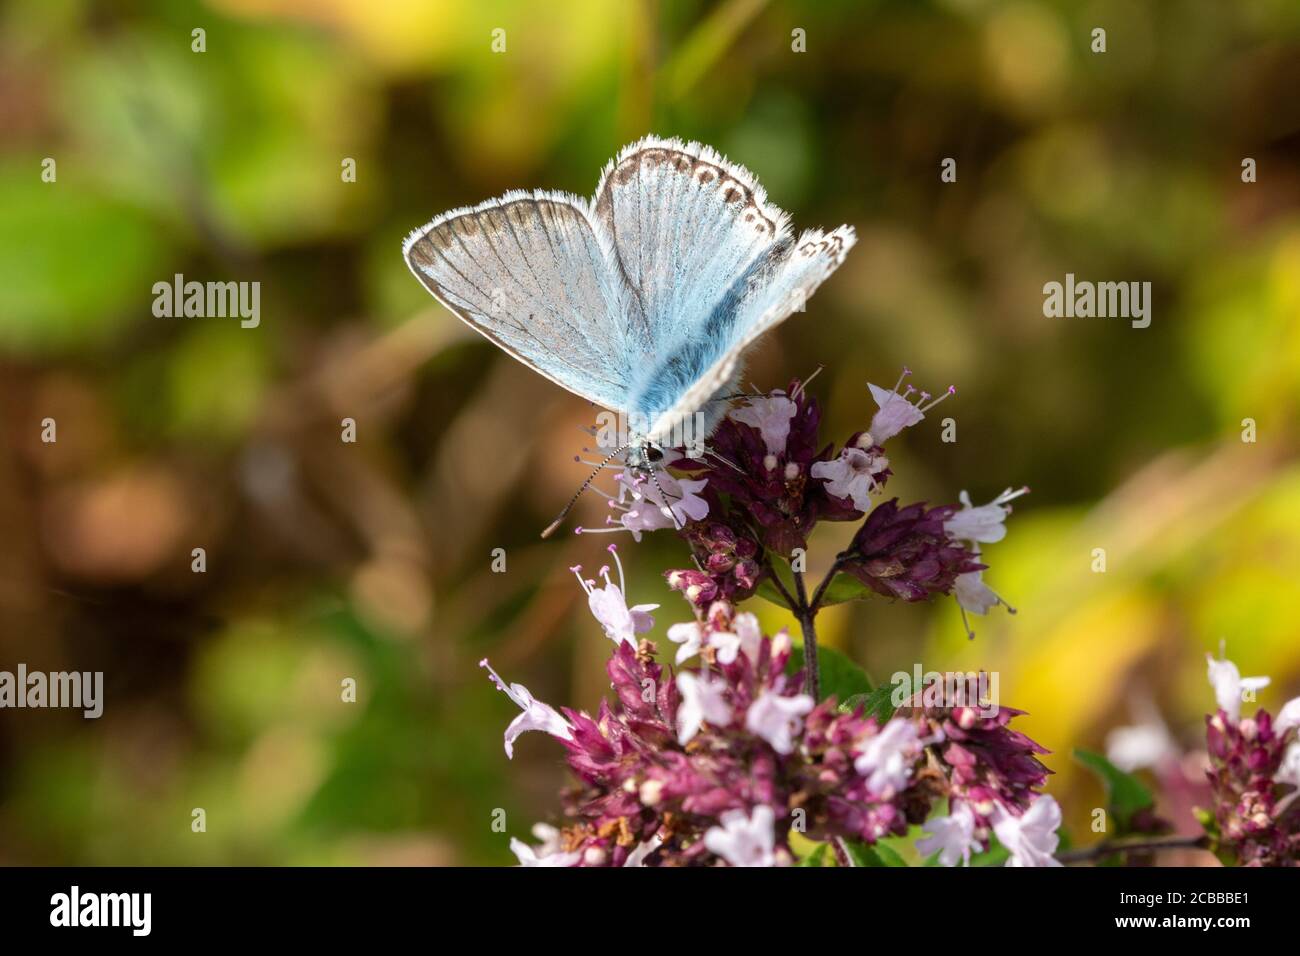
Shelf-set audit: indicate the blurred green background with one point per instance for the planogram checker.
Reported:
(372, 560)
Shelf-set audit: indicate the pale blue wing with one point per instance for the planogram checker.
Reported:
(767, 296)
(533, 274)
(689, 229)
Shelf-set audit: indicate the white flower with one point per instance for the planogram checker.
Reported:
(609, 607)
(771, 416)
(690, 636)
(535, 716)
(895, 412)
(1144, 744)
(745, 635)
(643, 850)
(702, 699)
(983, 524)
(1288, 772)
(973, 594)
(550, 837)
(778, 719)
(530, 857)
(1288, 716)
(659, 502)
(1228, 685)
(851, 475)
(886, 759)
(952, 837)
(745, 840)
(1031, 837)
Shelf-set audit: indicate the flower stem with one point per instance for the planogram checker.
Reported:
(820, 593)
(806, 614)
(1109, 848)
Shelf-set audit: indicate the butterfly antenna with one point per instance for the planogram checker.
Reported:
(677, 525)
(550, 528)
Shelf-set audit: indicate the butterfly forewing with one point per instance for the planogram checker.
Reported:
(531, 273)
(787, 279)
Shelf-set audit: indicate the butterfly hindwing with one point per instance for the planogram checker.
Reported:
(688, 228)
(788, 277)
(533, 274)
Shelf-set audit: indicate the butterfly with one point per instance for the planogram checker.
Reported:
(641, 300)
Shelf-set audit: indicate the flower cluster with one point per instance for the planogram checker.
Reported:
(993, 775)
(753, 497)
(1254, 773)
(721, 764)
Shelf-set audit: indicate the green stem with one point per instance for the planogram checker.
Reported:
(806, 613)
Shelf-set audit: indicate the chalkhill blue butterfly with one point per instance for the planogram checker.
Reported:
(643, 299)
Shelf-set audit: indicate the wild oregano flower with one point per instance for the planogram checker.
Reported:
(1254, 774)
(726, 759)
(722, 761)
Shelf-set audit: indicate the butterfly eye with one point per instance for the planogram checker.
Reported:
(653, 455)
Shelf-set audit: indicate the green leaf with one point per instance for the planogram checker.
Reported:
(818, 857)
(845, 587)
(878, 703)
(1125, 794)
(995, 855)
(860, 854)
(839, 675)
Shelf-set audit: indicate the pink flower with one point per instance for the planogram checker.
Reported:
(744, 635)
(778, 719)
(851, 475)
(609, 606)
(983, 524)
(952, 837)
(771, 416)
(703, 698)
(543, 856)
(895, 412)
(886, 758)
(535, 716)
(659, 502)
(690, 636)
(1031, 837)
(745, 840)
(1228, 685)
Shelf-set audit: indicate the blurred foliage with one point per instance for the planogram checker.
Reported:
(372, 560)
